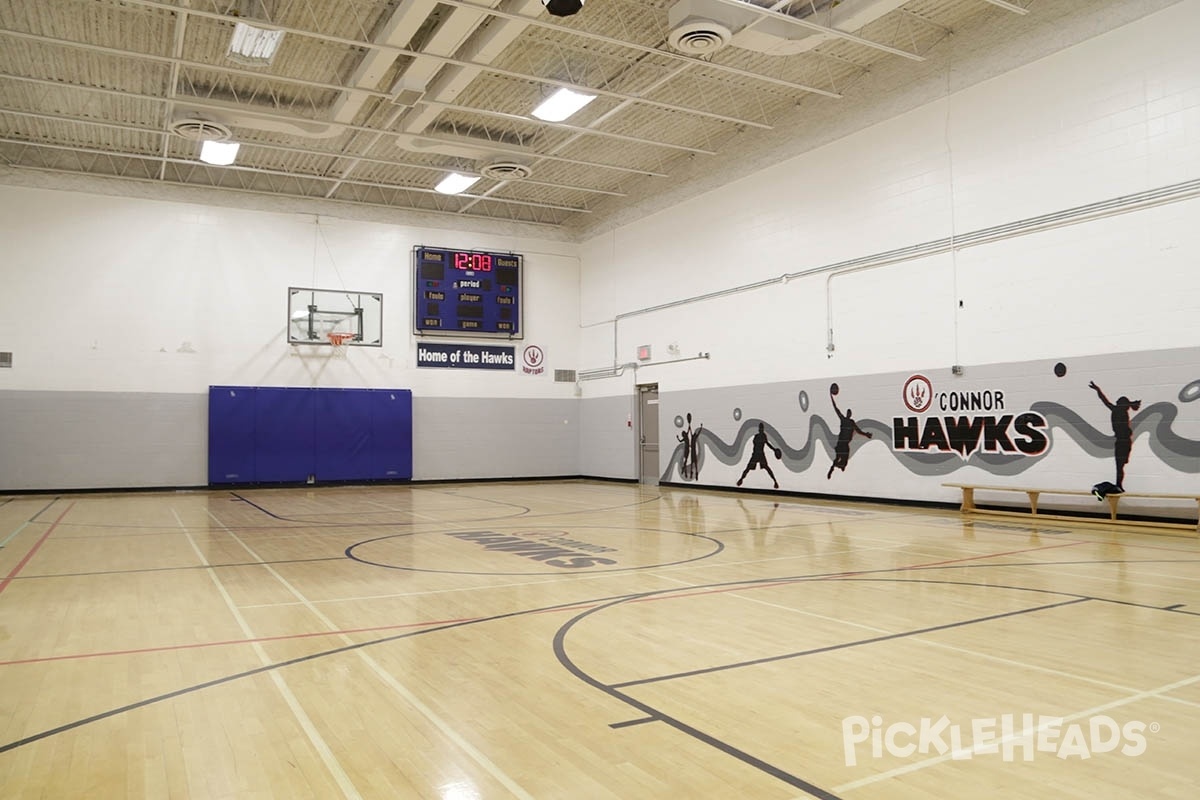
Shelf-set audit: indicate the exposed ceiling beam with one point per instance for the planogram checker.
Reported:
(560, 29)
(173, 83)
(301, 151)
(244, 73)
(274, 172)
(273, 196)
(201, 104)
(483, 112)
(1013, 7)
(803, 23)
(174, 63)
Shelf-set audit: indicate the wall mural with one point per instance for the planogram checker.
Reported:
(932, 428)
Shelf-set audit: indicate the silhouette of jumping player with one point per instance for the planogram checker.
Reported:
(759, 457)
(685, 436)
(1122, 431)
(690, 468)
(695, 448)
(841, 450)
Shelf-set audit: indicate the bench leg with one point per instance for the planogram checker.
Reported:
(1033, 498)
(968, 503)
(1113, 499)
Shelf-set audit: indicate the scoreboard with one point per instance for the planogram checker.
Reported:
(467, 292)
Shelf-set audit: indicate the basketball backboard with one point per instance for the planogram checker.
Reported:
(329, 316)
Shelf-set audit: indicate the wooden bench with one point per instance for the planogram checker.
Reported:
(1114, 500)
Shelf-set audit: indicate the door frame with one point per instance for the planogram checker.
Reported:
(639, 390)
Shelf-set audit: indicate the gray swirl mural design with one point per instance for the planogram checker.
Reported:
(1155, 423)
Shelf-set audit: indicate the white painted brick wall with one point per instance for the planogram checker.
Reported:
(1113, 115)
(101, 293)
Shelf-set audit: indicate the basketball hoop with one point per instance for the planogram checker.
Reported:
(339, 339)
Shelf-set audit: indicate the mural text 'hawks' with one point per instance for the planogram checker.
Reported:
(958, 426)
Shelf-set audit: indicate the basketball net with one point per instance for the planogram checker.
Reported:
(338, 340)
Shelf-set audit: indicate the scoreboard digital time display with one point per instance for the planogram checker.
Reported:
(467, 292)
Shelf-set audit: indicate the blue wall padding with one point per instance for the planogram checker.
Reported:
(391, 428)
(283, 437)
(343, 434)
(231, 434)
(286, 435)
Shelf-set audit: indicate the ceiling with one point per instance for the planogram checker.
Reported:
(372, 102)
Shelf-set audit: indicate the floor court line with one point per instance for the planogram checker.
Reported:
(689, 566)
(972, 553)
(317, 634)
(1100, 529)
(525, 514)
(32, 520)
(192, 567)
(836, 575)
(219, 681)
(45, 508)
(307, 521)
(30, 739)
(551, 578)
(336, 771)
(13, 535)
(964, 650)
(1106, 579)
(629, 723)
(845, 645)
(395, 685)
(15, 571)
(233, 642)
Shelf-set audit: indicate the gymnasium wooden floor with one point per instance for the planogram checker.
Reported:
(584, 639)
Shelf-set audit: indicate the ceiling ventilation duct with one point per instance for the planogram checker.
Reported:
(505, 170)
(240, 116)
(198, 129)
(699, 37)
(696, 22)
(469, 147)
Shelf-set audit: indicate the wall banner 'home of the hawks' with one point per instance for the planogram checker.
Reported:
(952, 422)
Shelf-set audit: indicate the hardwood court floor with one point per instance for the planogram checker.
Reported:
(586, 640)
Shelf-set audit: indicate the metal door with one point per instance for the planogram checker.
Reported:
(648, 433)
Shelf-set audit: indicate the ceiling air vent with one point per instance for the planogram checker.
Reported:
(699, 37)
(505, 171)
(200, 130)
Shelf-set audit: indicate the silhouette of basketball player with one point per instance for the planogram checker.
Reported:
(1122, 430)
(759, 457)
(841, 450)
(695, 448)
(685, 436)
(690, 468)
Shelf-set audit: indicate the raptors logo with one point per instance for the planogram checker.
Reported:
(918, 394)
(533, 359)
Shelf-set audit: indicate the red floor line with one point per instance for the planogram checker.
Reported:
(197, 645)
(33, 550)
(990, 555)
(768, 583)
(1189, 551)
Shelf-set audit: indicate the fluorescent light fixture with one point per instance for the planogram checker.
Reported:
(456, 184)
(220, 154)
(254, 46)
(561, 105)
